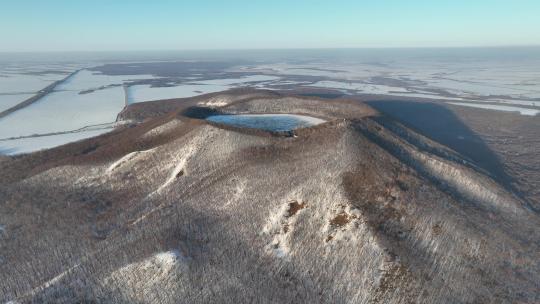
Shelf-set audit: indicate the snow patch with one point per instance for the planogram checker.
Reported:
(52, 281)
(166, 127)
(237, 193)
(167, 258)
(159, 264)
(179, 169)
(150, 276)
(126, 158)
(279, 225)
(215, 102)
(121, 161)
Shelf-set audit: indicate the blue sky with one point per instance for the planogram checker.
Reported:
(61, 25)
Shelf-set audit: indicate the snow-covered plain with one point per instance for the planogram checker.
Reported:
(468, 77)
(140, 93)
(522, 111)
(86, 98)
(365, 88)
(64, 111)
(31, 144)
(510, 82)
(88, 80)
(24, 84)
(237, 81)
(9, 100)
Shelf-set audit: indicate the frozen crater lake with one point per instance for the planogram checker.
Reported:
(268, 122)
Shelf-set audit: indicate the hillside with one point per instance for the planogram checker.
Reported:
(173, 209)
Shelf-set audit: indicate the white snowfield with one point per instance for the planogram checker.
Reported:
(32, 144)
(88, 80)
(140, 93)
(63, 111)
(510, 85)
(522, 111)
(424, 77)
(364, 88)
(9, 100)
(26, 84)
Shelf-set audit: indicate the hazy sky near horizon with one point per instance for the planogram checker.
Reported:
(103, 25)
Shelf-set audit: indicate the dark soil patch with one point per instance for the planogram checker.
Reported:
(286, 228)
(437, 229)
(294, 207)
(341, 220)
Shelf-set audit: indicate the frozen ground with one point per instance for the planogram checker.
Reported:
(64, 111)
(360, 87)
(238, 81)
(31, 144)
(522, 111)
(510, 79)
(9, 100)
(140, 93)
(509, 76)
(87, 80)
(24, 84)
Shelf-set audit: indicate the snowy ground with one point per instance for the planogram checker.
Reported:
(85, 99)
(64, 111)
(25, 84)
(522, 111)
(88, 80)
(88, 97)
(140, 93)
(511, 80)
(360, 87)
(31, 144)
(9, 100)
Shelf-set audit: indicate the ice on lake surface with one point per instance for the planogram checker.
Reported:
(268, 122)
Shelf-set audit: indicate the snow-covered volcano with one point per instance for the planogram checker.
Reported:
(171, 208)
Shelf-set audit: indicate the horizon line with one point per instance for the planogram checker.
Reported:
(273, 49)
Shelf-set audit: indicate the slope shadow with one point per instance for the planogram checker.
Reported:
(242, 278)
(445, 127)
